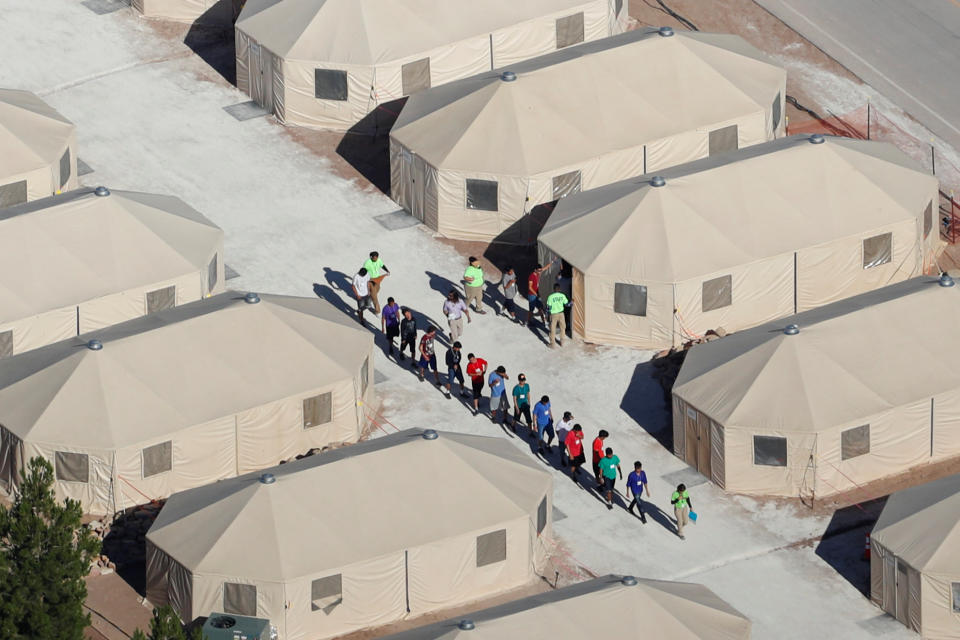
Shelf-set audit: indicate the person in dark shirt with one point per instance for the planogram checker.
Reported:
(408, 335)
(454, 371)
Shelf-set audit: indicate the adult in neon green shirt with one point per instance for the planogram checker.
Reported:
(609, 468)
(556, 303)
(473, 284)
(681, 508)
(377, 272)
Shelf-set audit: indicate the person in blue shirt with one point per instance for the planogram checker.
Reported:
(543, 416)
(636, 483)
(499, 403)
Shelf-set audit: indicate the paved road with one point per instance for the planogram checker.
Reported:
(908, 50)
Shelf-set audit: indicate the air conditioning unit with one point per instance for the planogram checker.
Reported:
(226, 626)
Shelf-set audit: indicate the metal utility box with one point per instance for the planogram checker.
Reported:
(226, 626)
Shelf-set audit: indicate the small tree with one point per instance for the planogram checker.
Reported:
(165, 625)
(44, 555)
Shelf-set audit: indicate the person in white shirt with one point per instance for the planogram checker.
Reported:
(361, 290)
(454, 308)
(564, 427)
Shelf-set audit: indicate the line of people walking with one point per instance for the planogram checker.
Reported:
(509, 410)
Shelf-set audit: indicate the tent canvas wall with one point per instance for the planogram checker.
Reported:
(220, 13)
(184, 397)
(915, 558)
(326, 64)
(865, 388)
(39, 149)
(396, 543)
(610, 606)
(473, 158)
(78, 262)
(742, 239)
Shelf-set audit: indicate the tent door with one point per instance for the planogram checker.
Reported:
(692, 449)
(261, 76)
(697, 451)
(703, 441)
(889, 603)
(903, 592)
(418, 181)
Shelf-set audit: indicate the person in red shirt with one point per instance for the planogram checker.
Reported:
(574, 442)
(476, 369)
(598, 454)
(533, 295)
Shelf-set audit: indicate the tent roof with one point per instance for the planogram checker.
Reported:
(308, 521)
(604, 607)
(67, 249)
(789, 193)
(574, 104)
(32, 133)
(884, 349)
(921, 525)
(177, 368)
(372, 32)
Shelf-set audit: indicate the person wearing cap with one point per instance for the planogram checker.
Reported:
(390, 323)
(377, 272)
(534, 305)
(473, 284)
(408, 335)
(453, 369)
(428, 358)
(636, 483)
(544, 417)
(681, 508)
(574, 445)
(563, 428)
(499, 404)
(454, 308)
(476, 369)
(610, 467)
(521, 402)
(556, 303)
(598, 454)
(361, 291)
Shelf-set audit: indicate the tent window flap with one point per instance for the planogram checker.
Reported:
(240, 599)
(365, 376)
(482, 195)
(13, 193)
(717, 293)
(165, 298)
(330, 84)
(73, 467)
(492, 548)
(775, 110)
(855, 442)
(722, 140)
(630, 299)
(6, 343)
(877, 250)
(542, 516)
(566, 184)
(157, 459)
(770, 451)
(955, 589)
(212, 270)
(65, 167)
(415, 76)
(927, 220)
(569, 30)
(326, 593)
(318, 410)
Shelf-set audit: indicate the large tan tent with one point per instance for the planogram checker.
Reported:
(741, 239)
(217, 13)
(915, 560)
(39, 149)
(827, 400)
(184, 397)
(357, 537)
(607, 607)
(472, 159)
(81, 261)
(328, 63)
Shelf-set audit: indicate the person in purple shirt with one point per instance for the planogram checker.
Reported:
(390, 322)
(636, 483)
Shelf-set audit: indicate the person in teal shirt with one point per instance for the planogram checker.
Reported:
(473, 284)
(556, 303)
(609, 468)
(377, 272)
(521, 402)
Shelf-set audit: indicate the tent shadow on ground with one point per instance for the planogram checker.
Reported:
(366, 145)
(842, 543)
(215, 46)
(644, 402)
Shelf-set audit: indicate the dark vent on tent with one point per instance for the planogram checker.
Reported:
(251, 298)
(946, 280)
(791, 330)
(817, 139)
(466, 625)
(429, 434)
(101, 191)
(665, 32)
(94, 345)
(657, 181)
(267, 478)
(508, 76)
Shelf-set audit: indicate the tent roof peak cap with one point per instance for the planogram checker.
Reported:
(665, 32)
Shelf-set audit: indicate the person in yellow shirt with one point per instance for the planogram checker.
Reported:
(473, 284)
(681, 508)
(556, 303)
(377, 272)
